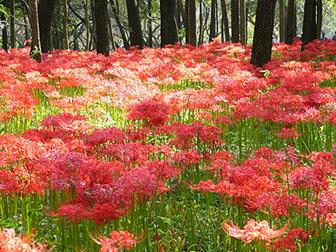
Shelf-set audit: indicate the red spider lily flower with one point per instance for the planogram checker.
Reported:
(8, 182)
(117, 241)
(288, 243)
(108, 135)
(222, 121)
(9, 242)
(275, 204)
(254, 231)
(59, 120)
(156, 113)
(331, 219)
(288, 133)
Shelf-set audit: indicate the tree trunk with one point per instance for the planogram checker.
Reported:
(309, 22)
(111, 33)
(35, 52)
(46, 13)
(263, 31)
(319, 18)
(4, 32)
(282, 21)
(134, 24)
(225, 21)
(168, 22)
(102, 30)
(150, 24)
(200, 40)
(12, 24)
(65, 24)
(87, 24)
(187, 30)
(242, 11)
(115, 11)
(213, 20)
(190, 10)
(295, 18)
(290, 22)
(235, 21)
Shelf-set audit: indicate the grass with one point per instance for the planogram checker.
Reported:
(181, 220)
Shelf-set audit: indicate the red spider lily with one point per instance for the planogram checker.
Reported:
(288, 243)
(331, 219)
(154, 112)
(9, 242)
(254, 231)
(275, 204)
(107, 135)
(288, 133)
(117, 241)
(9, 183)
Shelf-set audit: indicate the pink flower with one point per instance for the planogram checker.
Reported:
(253, 231)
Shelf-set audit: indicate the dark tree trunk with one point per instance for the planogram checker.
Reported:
(46, 13)
(65, 24)
(134, 24)
(225, 21)
(24, 11)
(242, 11)
(290, 22)
(319, 18)
(35, 52)
(263, 31)
(115, 11)
(190, 10)
(200, 40)
(281, 21)
(12, 24)
(168, 22)
(235, 21)
(150, 24)
(309, 22)
(213, 20)
(102, 30)
(4, 33)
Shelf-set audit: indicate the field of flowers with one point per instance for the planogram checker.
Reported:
(174, 149)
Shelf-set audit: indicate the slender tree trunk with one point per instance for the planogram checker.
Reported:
(180, 11)
(213, 20)
(187, 29)
(102, 30)
(309, 22)
(225, 21)
(87, 24)
(295, 18)
(12, 24)
(168, 22)
(46, 13)
(24, 11)
(134, 24)
(263, 31)
(150, 24)
(242, 11)
(235, 21)
(290, 23)
(190, 10)
(319, 17)
(111, 34)
(4, 32)
(35, 52)
(281, 21)
(65, 24)
(115, 11)
(200, 41)
(246, 23)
